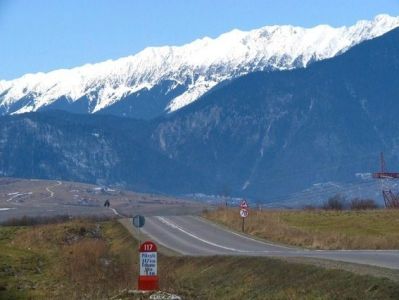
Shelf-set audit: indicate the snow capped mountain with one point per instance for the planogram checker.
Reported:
(185, 72)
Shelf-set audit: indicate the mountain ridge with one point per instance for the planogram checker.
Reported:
(291, 129)
(263, 135)
(164, 79)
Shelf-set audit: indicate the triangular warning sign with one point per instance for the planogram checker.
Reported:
(244, 204)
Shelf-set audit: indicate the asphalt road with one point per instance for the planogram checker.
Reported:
(195, 236)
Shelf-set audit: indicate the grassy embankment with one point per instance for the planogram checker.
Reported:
(318, 229)
(90, 260)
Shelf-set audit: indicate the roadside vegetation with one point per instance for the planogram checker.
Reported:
(338, 202)
(330, 228)
(90, 259)
(77, 259)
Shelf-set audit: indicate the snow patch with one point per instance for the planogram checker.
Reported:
(204, 63)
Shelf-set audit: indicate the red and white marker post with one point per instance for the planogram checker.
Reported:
(148, 278)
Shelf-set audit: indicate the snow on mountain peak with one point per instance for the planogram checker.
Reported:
(199, 65)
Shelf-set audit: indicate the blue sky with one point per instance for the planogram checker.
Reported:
(43, 35)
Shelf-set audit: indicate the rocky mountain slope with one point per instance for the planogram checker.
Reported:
(165, 79)
(262, 135)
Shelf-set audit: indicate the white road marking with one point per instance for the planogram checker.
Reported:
(166, 222)
(246, 237)
(385, 251)
(143, 230)
(326, 254)
(6, 208)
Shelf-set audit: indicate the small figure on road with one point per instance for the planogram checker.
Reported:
(106, 203)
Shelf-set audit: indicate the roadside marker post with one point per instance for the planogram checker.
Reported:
(148, 278)
(243, 213)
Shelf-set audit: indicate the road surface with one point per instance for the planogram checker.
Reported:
(195, 236)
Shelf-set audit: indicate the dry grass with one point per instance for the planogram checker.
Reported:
(372, 229)
(42, 220)
(79, 259)
(90, 260)
(264, 278)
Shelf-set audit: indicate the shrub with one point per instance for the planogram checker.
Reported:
(360, 204)
(38, 220)
(205, 211)
(336, 202)
(95, 270)
(309, 207)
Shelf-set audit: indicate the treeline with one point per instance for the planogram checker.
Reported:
(42, 220)
(339, 202)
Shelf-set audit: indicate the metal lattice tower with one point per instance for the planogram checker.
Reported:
(391, 199)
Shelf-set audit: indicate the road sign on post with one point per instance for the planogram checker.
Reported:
(138, 221)
(148, 278)
(244, 204)
(243, 213)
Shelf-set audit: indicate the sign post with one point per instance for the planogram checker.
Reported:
(243, 213)
(138, 222)
(148, 278)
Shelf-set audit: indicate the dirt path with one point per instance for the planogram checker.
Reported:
(18, 195)
(115, 212)
(50, 191)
